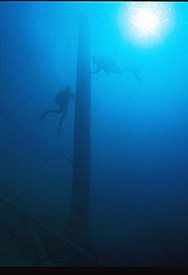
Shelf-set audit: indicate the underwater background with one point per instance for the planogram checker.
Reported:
(139, 131)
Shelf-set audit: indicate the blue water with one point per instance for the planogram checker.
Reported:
(139, 131)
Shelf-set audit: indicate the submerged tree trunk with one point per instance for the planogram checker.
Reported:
(79, 229)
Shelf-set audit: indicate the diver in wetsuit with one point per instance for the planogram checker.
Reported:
(62, 100)
(109, 66)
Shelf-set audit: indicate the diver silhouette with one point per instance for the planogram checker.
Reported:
(109, 66)
(62, 100)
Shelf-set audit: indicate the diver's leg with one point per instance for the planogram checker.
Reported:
(54, 111)
(62, 117)
(134, 70)
(60, 122)
(127, 69)
(107, 71)
(117, 70)
(136, 75)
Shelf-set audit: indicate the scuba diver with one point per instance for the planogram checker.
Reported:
(109, 66)
(62, 100)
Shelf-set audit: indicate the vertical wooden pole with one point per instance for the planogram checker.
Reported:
(79, 214)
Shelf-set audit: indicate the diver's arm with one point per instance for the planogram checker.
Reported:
(42, 116)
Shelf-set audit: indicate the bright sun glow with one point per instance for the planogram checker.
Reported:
(146, 22)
